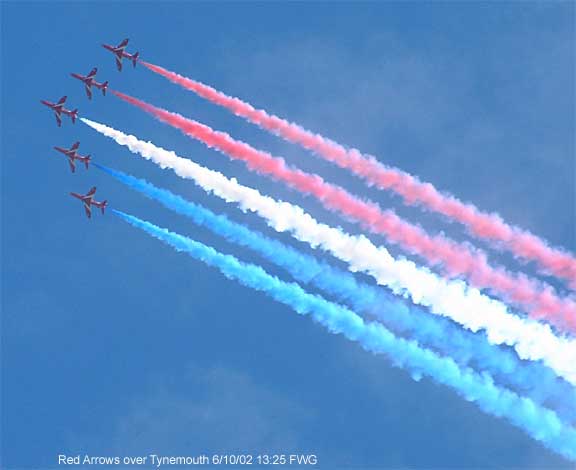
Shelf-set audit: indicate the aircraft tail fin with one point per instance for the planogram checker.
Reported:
(103, 205)
(87, 160)
(74, 115)
(135, 58)
(104, 87)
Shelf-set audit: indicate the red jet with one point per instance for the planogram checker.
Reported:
(88, 201)
(59, 109)
(89, 82)
(118, 51)
(72, 154)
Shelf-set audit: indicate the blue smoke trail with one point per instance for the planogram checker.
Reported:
(529, 378)
(540, 423)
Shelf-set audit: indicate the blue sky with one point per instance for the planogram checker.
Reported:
(113, 344)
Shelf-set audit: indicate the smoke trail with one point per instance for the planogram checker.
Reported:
(530, 378)
(457, 259)
(489, 226)
(540, 423)
(467, 306)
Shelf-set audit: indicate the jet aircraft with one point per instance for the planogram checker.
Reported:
(88, 201)
(59, 109)
(120, 53)
(89, 81)
(72, 154)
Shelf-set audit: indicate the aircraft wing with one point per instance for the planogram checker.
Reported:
(72, 165)
(122, 44)
(92, 72)
(75, 145)
(91, 192)
(58, 119)
(88, 91)
(119, 64)
(88, 210)
(62, 100)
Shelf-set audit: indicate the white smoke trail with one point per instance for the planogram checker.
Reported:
(467, 306)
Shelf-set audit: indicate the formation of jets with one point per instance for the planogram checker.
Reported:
(59, 110)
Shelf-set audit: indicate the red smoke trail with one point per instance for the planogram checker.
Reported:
(457, 259)
(483, 225)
